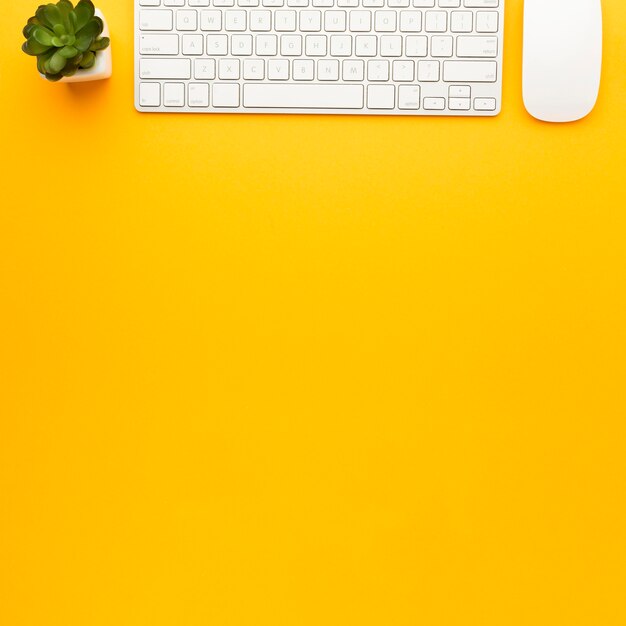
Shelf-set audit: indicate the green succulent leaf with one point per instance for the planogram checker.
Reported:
(43, 36)
(68, 52)
(83, 12)
(41, 15)
(66, 8)
(41, 61)
(100, 44)
(83, 43)
(53, 78)
(56, 63)
(33, 47)
(57, 42)
(51, 14)
(32, 23)
(93, 28)
(88, 60)
(59, 30)
(69, 70)
(90, 32)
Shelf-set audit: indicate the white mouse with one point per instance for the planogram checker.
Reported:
(562, 58)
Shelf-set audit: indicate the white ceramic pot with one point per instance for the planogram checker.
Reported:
(102, 68)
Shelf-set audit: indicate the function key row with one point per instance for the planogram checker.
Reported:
(427, 4)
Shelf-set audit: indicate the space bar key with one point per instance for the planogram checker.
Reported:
(290, 96)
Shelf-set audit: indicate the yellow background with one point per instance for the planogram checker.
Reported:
(293, 370)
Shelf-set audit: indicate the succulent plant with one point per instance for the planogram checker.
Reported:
(64, 38)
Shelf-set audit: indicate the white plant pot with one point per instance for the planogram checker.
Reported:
(102, 68)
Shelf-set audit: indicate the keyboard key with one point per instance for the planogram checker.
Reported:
(150, 94)
(156, 20)
(436, 21)
(461, 21)
(228, 69)
(434, 104)
(316, 45)
(310, 21)
(267, 45)
(285, 21)
(378, 71)
(410, 21)
(254, 69)
(353, 70)
(360, 21)
(487, 22)
(204, 69)
(291, 45)
(225, 95)
(381, 97)
(416, 46)
(335, 21)
(235, 20)
(403, 71)
(366, 45)
(241, 45)
(192, 45)
(470, 71)
(302, 96)
(217, 45)
(158, 44)
(174, 95)
(165, 68)
(198, 95)
(460, 91)
(409, 97)
(477, 47)
(328, 69)
(481, 4)
(303, 69)
(260, 21)
(459, 104)
(211, 20)
(485, 104)
(186, 20)
(341, 45)
(441, 46)
(391, 46)
(385, 21)
(428, 71)
(278, 69)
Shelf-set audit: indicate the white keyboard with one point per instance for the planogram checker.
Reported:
(389, 57)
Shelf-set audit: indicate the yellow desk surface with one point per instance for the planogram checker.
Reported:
(274, 370)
